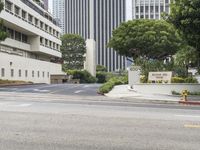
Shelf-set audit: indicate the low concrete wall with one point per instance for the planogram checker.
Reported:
(164, 88)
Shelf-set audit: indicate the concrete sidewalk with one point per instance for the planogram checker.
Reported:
(123, 92)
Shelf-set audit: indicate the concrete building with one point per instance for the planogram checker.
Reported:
(59, 13)
(96, 19)
(32, 50)
(149, 9)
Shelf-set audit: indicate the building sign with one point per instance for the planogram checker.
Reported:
(160, 76)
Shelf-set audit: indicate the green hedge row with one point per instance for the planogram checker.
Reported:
(108, 86)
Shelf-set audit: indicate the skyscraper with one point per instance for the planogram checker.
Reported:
(96, 19)
(149, 9)
(46, 5)
(59, 13)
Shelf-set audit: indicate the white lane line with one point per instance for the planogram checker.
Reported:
(188, 116)
(23, 105)
(76, 92)
(37, 90)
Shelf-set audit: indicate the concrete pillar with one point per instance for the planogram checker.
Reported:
(90, 63)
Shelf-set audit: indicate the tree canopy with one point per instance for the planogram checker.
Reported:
(152, 39)
(3, 33)
(73, 50)
(185, 15)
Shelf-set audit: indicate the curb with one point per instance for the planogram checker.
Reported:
(26, 84)
(189, 102)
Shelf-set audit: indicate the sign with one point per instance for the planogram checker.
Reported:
(134, 75)
(160, 76)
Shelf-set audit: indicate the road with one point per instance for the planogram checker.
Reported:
(63, 89)
(38, 121)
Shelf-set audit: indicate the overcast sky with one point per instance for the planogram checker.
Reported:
(128, 9)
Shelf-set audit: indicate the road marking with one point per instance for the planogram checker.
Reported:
(188, 116)
(24, 105)
(37, 90)
(76, 92)
(191, 126)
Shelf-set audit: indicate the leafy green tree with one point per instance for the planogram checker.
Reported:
(185, 15)
(186, 56)
(3, 34)
(150, 39)
(73, 50)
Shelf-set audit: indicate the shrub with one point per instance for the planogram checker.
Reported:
(101, 77)
(84, 76)
(191, 80)
(177, 80)
(100, 68)
(108, 86)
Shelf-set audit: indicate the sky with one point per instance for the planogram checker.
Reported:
(128, 10)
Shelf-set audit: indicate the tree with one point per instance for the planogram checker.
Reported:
(73, 50)
(185, 57)
(185, 15)
(151, 39)
(3, 33)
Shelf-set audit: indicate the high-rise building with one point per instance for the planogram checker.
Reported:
(46, 4)
(31, 52)
(96, 19)
(59, 13)
(149, 9)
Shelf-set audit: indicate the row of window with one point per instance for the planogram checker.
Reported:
(16, 35)
(26, 73)
(30, 18)
(49, 44)
(38, 10)
(147, 16)
(146, 8)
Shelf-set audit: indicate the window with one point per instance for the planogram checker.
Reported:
(20, 73)
(46, 27)
(54, 45)
(41, 25)
(24, 14)
(36, 21)
(38, 73)
(17, 36)
(156, 8)
(137, 9)
(12, 72)
(46, 42)
(43, 74)
(11, 33)
(41, 40)
(26, 73)
(2, 72)
(30, 18)
(8, 5)
(50, 43)
(33, 74)
(24, 38)
(48, 74)
(17, 10)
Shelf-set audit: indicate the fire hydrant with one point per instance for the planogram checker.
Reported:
(184, 95)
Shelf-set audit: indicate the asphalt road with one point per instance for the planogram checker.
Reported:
(63, 89)
(34, 121)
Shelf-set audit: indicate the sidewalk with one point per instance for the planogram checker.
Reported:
(123, 92)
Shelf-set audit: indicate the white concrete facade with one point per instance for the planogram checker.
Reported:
(149, 9)
(32, 45)
(165, 89)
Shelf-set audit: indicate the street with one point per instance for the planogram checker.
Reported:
(38, 120)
